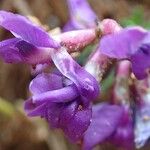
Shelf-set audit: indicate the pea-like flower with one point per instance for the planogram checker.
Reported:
(60, 103)
(64, 99)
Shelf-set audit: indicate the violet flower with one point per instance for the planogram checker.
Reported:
(63, 99)
(59, 102)
(130, 43)
(79, 87)
(73, 86)
(81, 15)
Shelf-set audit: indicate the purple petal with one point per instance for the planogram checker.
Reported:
(105, 120)
(40, 110)
(141, 61)
(17, 51)
(34, 110)
(78, 124)
(31, 54)
(122, 44)
(53, 113)
(21, 27)
(65, 94)
(8, 52)
(82, 15)
(68, 113)
(85, 82)
(28, 105)
(60, 114)
(45, 82)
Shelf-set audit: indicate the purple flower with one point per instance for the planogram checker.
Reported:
(130, 43)
(30, 44)
(81, 15)
(71, 90)
(64, 99)
(57, 99)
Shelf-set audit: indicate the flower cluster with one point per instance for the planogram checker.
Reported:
(64, 96)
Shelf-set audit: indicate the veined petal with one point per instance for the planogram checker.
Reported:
(122, 44)
(21, 27)
(105, 120)
(18, 51)
(85, 82)
(31, 54)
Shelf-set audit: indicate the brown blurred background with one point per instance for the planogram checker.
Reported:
(17, 132)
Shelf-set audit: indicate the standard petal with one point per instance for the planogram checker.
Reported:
(105, 120)
(21, 27)
(85, 82)
(45, 82)
(122, 44)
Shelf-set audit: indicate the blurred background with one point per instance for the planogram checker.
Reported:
(17, 132)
